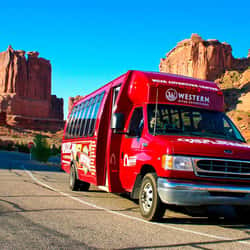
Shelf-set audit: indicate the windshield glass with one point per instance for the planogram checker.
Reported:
(167, 119)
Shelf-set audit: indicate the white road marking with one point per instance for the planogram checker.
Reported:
(131, 217)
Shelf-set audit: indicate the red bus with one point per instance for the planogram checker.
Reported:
(162, 138)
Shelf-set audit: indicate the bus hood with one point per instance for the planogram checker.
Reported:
(209, 147)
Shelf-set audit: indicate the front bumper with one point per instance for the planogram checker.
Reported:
(195, 194)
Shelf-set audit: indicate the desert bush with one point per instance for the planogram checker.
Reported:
(22, 147)
(41, 150)
(7, 145)
(55, 150)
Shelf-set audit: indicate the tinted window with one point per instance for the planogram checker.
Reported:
(84, 105)
(68, 125)
(85, 118)
(71, 121)
(95, 112)
(115, 95)
(136, 123)
(82, 119)
(78, 120)
(74, 118)
(88, 117)
(181, 120)
(91, 120)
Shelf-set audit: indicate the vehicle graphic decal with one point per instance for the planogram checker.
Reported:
(215, 142)
(129, 161)
(173, 95)
(83, 155)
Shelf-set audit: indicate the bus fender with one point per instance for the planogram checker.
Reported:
(135, 192)
(138, 181)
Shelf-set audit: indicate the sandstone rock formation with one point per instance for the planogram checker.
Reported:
(204, 59)
(25, 92)
(212, 60)
(72, 100)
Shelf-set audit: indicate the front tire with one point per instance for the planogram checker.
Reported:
(151, 206)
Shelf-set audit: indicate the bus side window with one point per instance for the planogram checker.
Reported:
(115, 95)
(73, 121)
(68, 125)
(85, 110)
(90, 116)
(76, 120)
(77, 125)
(80, 119)
(85, 118)
(91, 122)
(95, 112)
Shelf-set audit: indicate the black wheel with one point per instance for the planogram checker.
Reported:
(84, 186)
(243, 213)
(151, 206)
(74, 183)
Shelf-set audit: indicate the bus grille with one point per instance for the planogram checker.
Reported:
(221, 168)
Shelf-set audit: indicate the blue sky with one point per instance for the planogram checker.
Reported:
(90, 43)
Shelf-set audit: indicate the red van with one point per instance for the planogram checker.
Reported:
(163, 138)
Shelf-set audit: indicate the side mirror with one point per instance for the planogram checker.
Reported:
(117, 122)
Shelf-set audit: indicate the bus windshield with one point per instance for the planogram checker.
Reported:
(164, 119)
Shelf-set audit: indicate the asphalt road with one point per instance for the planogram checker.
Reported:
(38, 211)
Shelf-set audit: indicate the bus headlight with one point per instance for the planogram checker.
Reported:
(181, 163)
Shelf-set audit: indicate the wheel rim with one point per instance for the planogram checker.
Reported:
(147, 197)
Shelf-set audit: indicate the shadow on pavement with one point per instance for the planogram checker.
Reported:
(198, 244)
(227, 223)
(21, 161)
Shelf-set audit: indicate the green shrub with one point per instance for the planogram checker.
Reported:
(22, 147)
(55, 150)
(41, 150)
(7, 145)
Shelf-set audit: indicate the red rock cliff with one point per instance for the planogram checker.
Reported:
(25, 91)
(204, 59)
(72, 100)
(212, 60)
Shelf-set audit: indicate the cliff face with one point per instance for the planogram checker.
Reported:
(29, 78)
(203, 59)
(72, 100)
(25, 91)
(212, 60)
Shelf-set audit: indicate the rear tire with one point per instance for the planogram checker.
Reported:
(84, 186)
(74, 183)
(243, 213)
(152, 208)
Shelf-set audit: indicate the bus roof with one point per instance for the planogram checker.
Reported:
(173, 89)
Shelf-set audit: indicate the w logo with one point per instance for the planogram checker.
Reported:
(171, 95)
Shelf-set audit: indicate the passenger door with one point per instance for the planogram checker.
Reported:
(131, 148)
(113, 160)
